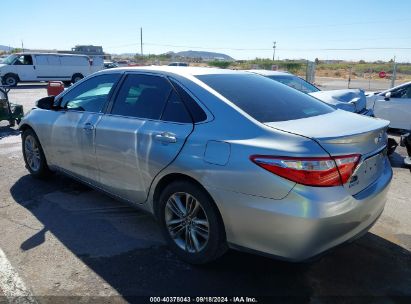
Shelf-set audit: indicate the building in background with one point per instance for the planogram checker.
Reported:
(90, 50)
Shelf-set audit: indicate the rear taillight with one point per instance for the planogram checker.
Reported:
(310, 171)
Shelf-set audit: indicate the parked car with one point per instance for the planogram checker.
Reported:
(394, 105)
(47, 67)
(351, 100)
(110, 65)
(2, 57)
(122, 63)
(185, 64)
(222, 158)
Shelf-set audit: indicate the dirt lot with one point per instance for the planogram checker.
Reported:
(66, 241)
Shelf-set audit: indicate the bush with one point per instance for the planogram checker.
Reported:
(292, 67)
(220, 64)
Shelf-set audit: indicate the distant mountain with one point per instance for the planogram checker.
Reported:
(204, 55)
(5, 48)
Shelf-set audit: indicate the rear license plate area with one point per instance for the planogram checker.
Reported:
(368, 171)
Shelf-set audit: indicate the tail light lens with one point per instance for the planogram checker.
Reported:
(310, 171)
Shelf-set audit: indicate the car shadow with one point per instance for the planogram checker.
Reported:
(123, 246)
(6, 131)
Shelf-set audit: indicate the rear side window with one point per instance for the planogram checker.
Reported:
(264, 99)
(53, 60)
(142, 96)
(295, 82)
(41, 60)
(74, 60)
(197, 113)
(175, 110)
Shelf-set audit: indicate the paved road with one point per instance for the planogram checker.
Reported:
(65, 239)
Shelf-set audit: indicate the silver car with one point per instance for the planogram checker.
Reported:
(223, 159)
(351, 100)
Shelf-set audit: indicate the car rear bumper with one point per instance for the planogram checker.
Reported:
(305, 223)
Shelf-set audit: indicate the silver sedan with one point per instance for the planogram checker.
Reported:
(221, 158)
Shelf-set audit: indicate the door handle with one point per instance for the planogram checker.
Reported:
(34, 67)
(166, 137)
(88, 127)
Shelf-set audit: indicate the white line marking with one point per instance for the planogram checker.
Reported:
(12, 285)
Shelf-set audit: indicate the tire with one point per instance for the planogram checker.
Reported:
(197, 237)
(76, 77)
(67, 83)
(391, 146)
(10, 80)
(33, 155)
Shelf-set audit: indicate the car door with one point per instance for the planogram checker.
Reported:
(73, 131)
(25, 68)
(140, 136)
(396, 109)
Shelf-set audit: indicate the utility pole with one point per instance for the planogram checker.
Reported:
(22, 47)
(275, 42)
(394, 73)
(141, 40)
(349, 77)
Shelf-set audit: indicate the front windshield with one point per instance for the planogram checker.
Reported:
(9, 59)
(295, 82)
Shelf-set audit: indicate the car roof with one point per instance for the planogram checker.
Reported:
(54, 54)
(178, 70)
(270, 73)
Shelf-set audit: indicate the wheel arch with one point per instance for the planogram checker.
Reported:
(173, 177)
(25, 127)
(12, 74)
(76, 74)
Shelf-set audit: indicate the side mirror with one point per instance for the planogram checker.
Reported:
(387, 96)
(46, 103)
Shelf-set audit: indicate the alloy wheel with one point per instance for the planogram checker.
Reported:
(32, 153)
(187, 222)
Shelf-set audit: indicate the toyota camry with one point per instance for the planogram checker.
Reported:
(223, 159)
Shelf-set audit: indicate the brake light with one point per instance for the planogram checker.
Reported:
(310, 171)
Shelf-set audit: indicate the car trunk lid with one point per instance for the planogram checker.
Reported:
(343, 133)
(352, 100)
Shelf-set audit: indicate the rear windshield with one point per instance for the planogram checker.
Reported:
(264, 99)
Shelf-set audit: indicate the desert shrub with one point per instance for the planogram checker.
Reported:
(220, 64)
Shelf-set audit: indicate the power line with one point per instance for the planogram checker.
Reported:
(359, 39)
(324, 25)
(269, 49)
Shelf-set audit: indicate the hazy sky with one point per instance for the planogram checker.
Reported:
(241, 29)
